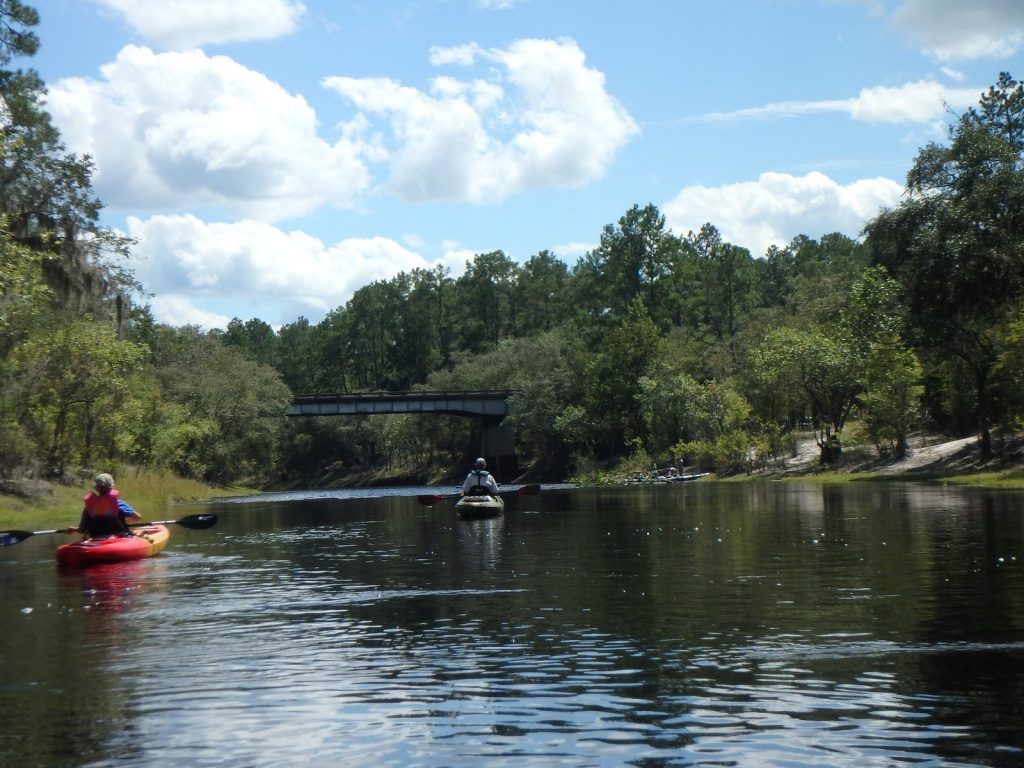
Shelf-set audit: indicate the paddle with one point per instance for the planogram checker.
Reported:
(429, 499)
(196, 522)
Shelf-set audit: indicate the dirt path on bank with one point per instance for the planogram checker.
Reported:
(925, 455)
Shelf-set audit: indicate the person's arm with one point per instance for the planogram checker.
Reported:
(492, 484)
(81, 525)
(127, 513)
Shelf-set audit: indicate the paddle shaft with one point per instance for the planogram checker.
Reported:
(196, 522)
(430, 499)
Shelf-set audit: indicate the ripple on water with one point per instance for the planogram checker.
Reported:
(614, 636)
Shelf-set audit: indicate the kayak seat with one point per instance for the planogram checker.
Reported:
(479, 490)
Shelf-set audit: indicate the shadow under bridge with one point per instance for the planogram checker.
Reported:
(489, 406)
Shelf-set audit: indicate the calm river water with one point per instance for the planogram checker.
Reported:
(707, 624)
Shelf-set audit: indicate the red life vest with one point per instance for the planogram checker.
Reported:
(102, 515)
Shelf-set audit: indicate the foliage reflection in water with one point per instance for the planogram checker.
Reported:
(708, 624)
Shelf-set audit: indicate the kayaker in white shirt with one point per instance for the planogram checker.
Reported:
(479, 476)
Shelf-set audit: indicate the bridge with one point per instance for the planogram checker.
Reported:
(489, 405)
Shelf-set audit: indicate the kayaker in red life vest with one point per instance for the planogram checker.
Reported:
(105, 513)
(479, 477)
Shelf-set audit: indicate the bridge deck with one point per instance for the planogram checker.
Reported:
(493, 403)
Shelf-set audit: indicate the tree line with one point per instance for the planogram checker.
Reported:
(653, 344)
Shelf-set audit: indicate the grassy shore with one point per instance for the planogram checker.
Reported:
(150, 493)
(1012, 479)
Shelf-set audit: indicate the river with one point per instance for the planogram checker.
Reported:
(710, 624)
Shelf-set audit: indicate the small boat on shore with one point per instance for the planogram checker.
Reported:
(644, 478)
(684, 478)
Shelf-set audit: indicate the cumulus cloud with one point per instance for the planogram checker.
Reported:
(922, 102)
(177, 310)
(536, 117)
(955, 30)
(186, 24)
(185, 262)
(187, 130)
(778, 207)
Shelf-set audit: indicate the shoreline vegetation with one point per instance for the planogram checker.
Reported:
(38, 504)
(650, 346)
(931, 458)
(653, 346)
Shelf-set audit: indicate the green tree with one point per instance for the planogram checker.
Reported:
(955, 242)
(46, 193)
(254, 338)
(23, 294)
(211, 383)
(776, 275)
(1008, 375)
(546, 380)
(718, 418)
(612, 379)
(24, 299)
(892, 397)
(874, 310)
(728, 281)
(824, 367)
(486, 301)
(637, 258)
(73, 377)
(17, 37)
(370, 333)
(424, 333)
(543, 290)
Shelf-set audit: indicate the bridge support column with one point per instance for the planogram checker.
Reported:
(497, 446)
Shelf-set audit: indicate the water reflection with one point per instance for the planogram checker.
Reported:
(709, 624)
(480, 543)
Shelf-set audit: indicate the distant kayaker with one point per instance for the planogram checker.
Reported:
(479, 477)
(105, 512)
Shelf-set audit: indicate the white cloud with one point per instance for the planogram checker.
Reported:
(920, 102)
(456, 54)
(778, 207)
(496, 5)
(186, 130)
(178, 310)
(538, 117)
(185, 24)
(572, 251)
(957, 30)
(249, 263)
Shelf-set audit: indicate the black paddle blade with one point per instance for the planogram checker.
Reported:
(529, 490)
(198, 522)
(429, 499)
(13, 537)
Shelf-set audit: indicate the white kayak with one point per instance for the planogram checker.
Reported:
(479, 506)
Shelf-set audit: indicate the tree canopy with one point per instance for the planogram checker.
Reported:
(653, 344)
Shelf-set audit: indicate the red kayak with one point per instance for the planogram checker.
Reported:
(140, 543)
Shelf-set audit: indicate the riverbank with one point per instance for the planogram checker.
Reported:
(32, 504)
(930, 457)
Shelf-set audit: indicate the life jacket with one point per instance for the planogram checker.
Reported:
(480, 489)
(102, 514)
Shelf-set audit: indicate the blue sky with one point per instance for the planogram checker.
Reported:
(273, 156)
